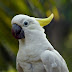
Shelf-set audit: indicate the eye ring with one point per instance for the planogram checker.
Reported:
(25, 24)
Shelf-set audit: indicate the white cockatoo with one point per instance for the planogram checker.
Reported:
(35, 53)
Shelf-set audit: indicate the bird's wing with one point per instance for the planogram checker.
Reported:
(53, 61)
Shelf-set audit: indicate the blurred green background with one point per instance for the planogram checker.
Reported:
(59, 31)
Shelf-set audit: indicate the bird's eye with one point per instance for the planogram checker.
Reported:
(25, 24)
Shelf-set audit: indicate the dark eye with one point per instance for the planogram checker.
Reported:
(25, 23)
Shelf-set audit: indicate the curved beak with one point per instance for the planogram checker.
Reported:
(17, 31)
(45, 21)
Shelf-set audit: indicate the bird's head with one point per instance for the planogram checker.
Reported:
(23, 23)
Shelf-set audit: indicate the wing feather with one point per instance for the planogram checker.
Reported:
(53, 61)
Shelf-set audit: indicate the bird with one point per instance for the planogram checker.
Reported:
(36, 53)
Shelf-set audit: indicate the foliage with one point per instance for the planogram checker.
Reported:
(59, 32)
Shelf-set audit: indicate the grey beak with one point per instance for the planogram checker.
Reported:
(17, 31)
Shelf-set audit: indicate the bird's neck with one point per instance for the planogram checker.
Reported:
(35, 39)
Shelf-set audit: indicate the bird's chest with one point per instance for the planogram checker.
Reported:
(30, 53)
(29, 60)
(32, 67)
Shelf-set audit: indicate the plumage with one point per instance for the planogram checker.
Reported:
(35, 53)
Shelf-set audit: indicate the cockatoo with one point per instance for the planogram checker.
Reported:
(35, 53)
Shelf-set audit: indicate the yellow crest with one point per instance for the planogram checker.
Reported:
(45, 21)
